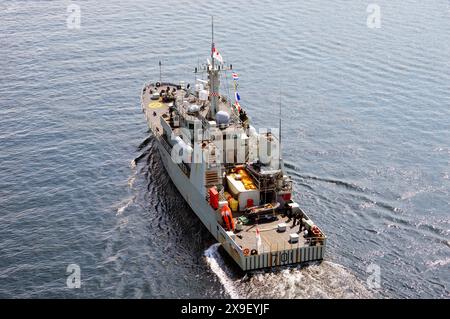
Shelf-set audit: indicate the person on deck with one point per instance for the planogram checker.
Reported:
(301, 224)
(288, 211)
(295, 217)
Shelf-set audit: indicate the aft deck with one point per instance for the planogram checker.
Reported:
(275, 249)
(271, 238)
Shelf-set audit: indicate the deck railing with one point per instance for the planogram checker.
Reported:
(230, 240)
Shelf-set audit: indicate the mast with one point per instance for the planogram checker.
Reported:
(212, 42)
(279, 138)
(195, 72)
(214, 81)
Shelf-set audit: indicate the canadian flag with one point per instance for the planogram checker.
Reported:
(237, 106)
(258, 239)
(216, 55)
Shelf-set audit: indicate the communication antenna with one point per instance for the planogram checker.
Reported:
(160, 72)
(196, 69)
(279, 142)
(212, 41)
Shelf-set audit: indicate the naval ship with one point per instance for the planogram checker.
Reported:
(231, 176)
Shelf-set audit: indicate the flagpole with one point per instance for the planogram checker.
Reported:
(212, 41)
(212, 75)
(279, 142)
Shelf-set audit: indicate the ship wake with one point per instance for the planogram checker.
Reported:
(316, 280)
(223, 273)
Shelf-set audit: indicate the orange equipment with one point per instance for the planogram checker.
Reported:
(227, 218)
(214, 197)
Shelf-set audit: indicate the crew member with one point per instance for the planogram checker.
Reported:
(288, 210)
(295, 217)
(301, 224)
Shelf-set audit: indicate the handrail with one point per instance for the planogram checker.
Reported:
(164, 83)
(236, 246)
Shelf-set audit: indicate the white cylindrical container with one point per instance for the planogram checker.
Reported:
(203, 95)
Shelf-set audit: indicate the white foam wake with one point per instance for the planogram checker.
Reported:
(219, 268)
(132, 178)
(133, 164)
(317, 280)
(438, 263)
(125, 204)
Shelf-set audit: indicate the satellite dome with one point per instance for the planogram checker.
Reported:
(193, 108)
(222, 118)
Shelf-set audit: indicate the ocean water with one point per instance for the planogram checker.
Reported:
(366, 139)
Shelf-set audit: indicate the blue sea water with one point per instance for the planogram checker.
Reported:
(366, 138)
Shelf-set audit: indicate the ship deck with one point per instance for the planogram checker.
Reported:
(271, 239)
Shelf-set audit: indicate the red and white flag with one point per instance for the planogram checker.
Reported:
(258, 239)
(237, 106)
(216, 55)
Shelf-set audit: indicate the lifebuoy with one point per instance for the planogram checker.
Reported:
(246, 252)
(315, 230)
